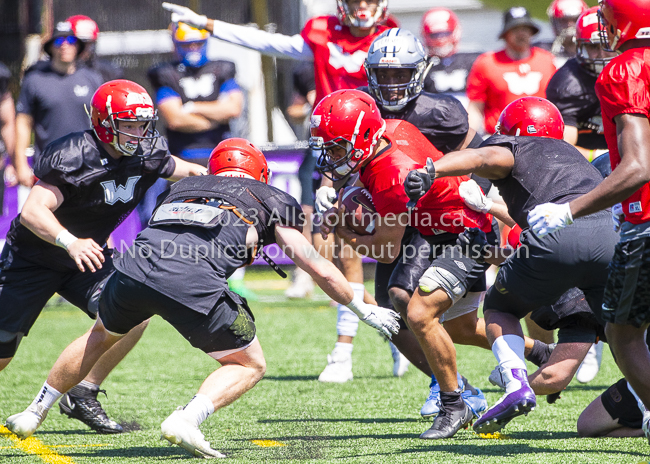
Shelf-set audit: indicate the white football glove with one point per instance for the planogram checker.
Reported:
(383, 319)
(325, 198)
(549, 217)
(618, 217)
(474, 197)
(182, 14)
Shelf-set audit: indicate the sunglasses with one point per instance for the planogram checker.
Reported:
(70, 40)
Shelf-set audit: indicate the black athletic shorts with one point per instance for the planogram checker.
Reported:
(125, 303)
(543, 269)
(26, 287)
(622, 405)
(627, 293)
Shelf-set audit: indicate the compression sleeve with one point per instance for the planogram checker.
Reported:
(279, 45)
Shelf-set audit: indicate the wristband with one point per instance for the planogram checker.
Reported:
(355, 306)
(65, 239)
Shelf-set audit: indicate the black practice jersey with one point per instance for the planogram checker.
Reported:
(449, 75)
(201, 84)
(441, 119)
(572, 90)
(211, 251)
(545, 171)
(99, 192)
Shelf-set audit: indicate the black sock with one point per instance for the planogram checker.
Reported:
(540, 353)
(451, 399)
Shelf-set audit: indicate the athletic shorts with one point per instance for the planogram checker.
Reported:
(26, 287)
(622, 405)
(543, 269)
(627, 293)
(125, 303)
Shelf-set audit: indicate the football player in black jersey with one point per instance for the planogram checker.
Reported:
(543, 269)
(572, 89)
(89, 183)
(204, 229)
(441, 32)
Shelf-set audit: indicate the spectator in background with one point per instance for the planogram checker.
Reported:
(196, 98)
(441, 32)
(7, 133)
(52, 98)
(499, 78)
(86, 30)
(563, 14)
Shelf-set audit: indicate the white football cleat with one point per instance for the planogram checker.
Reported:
(338, 369)
(646, 425)
(178, 431)
(24, 424)
(591, 364)
(400, 363)
(301, 287)
(496, 378)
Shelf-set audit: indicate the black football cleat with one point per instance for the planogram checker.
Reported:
(449, 420)
(84, 406)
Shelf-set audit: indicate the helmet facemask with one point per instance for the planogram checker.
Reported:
(142, 114)
(602, 32)
(406, 91)
(362, 19)
(335, 169)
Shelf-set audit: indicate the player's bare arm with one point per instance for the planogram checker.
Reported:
(24, 125)
(633, 138)
(37, 215)
(186, 169)
(555, 375)
(384, 244)
(225, 108)
(490, 162)
(179, 120)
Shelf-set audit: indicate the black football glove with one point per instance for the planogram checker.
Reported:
(473, 242)
(418, 183)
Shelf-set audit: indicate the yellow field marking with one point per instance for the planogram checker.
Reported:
(267, 443)
(493, 436)
(34, 446)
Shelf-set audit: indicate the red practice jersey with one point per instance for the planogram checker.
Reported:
(497, 80)
(441, 209)
(338, 55)
(623, 88)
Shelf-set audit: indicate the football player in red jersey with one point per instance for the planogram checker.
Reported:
(351, 135)
(338, 46)
(623, 88)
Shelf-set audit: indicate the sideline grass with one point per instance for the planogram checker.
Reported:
(373, 419)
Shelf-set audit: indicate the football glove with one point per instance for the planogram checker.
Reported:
(418, 183)
(383, 319)
(325, 198)
(474, 197)
(183, 14)
(473, 242)
(549, 217)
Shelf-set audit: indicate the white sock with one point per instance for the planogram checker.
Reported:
(347, 322)
(509, 351)
(198, 409)
(47, 396)
(92, 386)
(344, 348)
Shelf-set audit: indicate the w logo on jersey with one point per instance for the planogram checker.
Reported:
(453, 81)
(520, 85)
(201, 87)
(339, 59)
(123, 193)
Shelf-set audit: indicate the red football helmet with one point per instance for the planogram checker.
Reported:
(588, 37)
(84, 28)
(361, 18)
(122, 100)
(623, 20)
(239, 158)
(349, 120)
(441, 32)
(532, 117)
(563, 14)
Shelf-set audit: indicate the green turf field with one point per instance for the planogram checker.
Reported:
(374, 419)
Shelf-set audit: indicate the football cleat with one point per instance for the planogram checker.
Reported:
(475, 399)
(646, 425)
(591, 364)
(24, 424)
(431, 406)
(84, 406)
(338, 369)
(513, 404)
(449, 421)
(496, 378)
(301, 287)
(400, 363)
(179, 431)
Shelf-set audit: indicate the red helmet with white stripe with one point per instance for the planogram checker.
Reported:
(363, 18)
(588, 37)
(563, 14)
(345, 128)
(237, 157)
(623, 20)
(531, 117)
(441, 32)
(84, 28)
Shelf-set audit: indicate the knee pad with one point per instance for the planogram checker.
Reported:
(347, 322)
(437, 277)
(9, 342)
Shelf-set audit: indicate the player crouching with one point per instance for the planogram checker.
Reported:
(226, 218)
